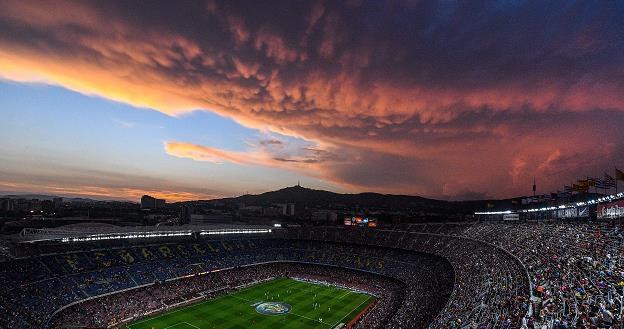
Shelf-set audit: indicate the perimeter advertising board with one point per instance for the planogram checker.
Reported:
(613, 210)
(577, 212)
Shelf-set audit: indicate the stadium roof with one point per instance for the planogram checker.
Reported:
(74, 233)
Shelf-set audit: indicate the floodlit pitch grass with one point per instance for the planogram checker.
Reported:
(238, 310)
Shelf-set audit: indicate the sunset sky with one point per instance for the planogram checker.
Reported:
(206, 99)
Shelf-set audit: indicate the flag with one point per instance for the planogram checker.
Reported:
(619, 175)
(580, 188)
(608, 181)
(600, 184)
(593, 181)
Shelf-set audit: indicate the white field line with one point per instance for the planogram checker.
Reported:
(345, 294)
(305, 317)
(366, 300)
(192, 325)
(179, 323)
(167, 313)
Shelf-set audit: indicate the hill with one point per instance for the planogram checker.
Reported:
(311, 198)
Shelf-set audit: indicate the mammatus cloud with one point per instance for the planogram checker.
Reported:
(416, 97)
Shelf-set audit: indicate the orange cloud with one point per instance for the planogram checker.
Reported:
(209, 154)
(99, 192)
(262, 156)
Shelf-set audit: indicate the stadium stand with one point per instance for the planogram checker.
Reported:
(476, 275)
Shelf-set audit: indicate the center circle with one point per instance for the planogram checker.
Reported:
(273, 308)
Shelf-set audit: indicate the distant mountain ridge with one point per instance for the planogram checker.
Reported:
(307, 197)
(310, 197)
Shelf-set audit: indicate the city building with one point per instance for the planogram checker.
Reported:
(185, 215)
(149, 202)
(58, 202)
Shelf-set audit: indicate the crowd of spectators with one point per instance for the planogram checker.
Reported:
(576, 270)
(119, 308)
(477, 275)
(491, 287)
(47, 282)
(116, 308)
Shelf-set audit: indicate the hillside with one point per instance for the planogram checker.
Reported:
(305, 197)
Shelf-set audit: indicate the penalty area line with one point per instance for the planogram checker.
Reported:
(305, 317)
(366, 300)
(345, 294)
(165, 312)
(194, 326)
(179, 323)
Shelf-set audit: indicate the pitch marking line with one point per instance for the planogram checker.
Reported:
(305, 317)
(345, 294)
(192, 325)
(179, 323)
(174, 311)
(366, 300)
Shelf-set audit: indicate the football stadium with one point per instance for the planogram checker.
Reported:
(488, 273)
(315, 164)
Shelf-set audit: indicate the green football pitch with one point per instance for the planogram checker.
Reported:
(279, 303)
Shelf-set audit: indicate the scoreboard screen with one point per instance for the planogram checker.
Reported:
(360, 221)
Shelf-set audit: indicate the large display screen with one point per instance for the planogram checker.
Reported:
(360, 221)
